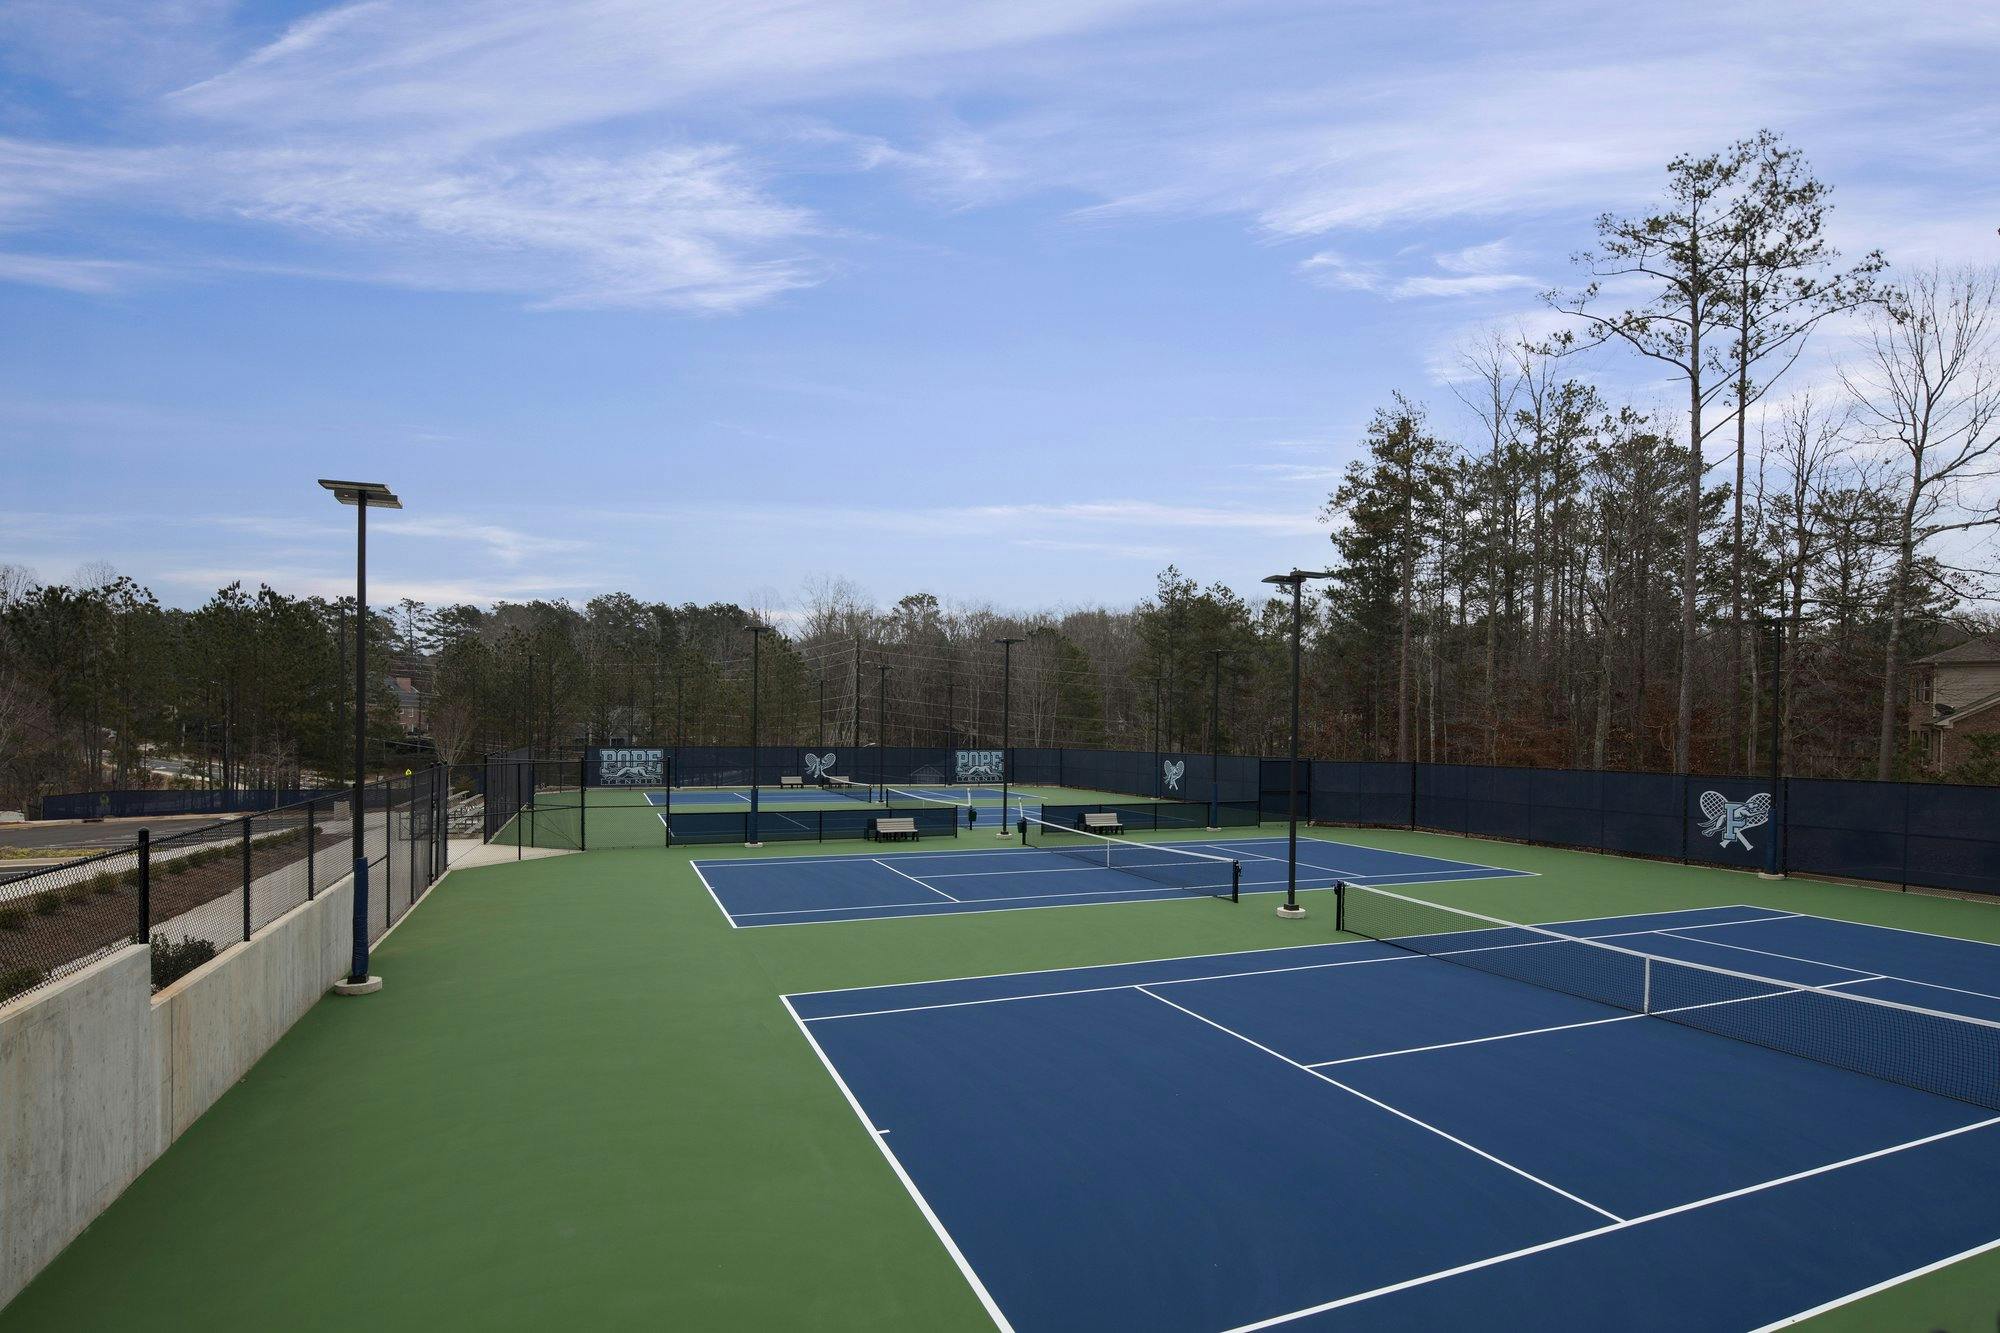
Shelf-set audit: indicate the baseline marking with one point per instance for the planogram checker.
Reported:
(881, 1141)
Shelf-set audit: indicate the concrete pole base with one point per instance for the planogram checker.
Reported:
(1287, 912)
(1004, 833)
(753, 844)
(365, 987)
(1765, 874)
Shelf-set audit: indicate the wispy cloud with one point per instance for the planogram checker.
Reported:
(648, 156)
(90, 276)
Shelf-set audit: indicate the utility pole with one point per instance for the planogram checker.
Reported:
(1156, 729)
(757, 630)
(1214, 738)
(881, 724)
(1296, 581)
(1006, 724)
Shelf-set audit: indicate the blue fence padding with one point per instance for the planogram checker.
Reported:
(787, 825)
(1152, 816)
(127, 804)
(1920, 834)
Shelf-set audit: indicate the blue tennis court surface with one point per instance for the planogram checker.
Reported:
(798, 889)
(1353, 1136)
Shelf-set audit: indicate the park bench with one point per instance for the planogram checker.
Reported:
(1101, 821)
(889, 827)
(791, 780)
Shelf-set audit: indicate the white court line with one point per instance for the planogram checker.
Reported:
(1838, 967)
(1377, 1102)
(913, 879)
(1592, 1234)
(1037, 870)
(1399, 957)
(880, 1138)
(1474, 1041)
(696, 867)
(1595, 1022)
(864, 856)
(1329, 946)
(977, 906)
(1884, 1285)
(1097, 990)
(1870, 925)
(1121, 893)
(1390, 851)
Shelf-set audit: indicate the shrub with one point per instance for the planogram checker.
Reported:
(173, 961)
(13, 917)
(14, 980)
(48, 902)
(105, 882)
(77, 892)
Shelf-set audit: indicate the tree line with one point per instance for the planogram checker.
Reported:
(1600, 583)
(1576, 578)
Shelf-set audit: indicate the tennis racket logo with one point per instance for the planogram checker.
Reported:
(819, 765)
(1172, 771)
(1727, 819)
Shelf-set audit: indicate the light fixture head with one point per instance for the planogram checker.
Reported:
(372, 494)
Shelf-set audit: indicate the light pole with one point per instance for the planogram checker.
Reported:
(1006, 723)
(757, 629)
(1773, 862)
(1156, 729)
(1296, 581)
(882, 728)
(1214, 739)
(363, 495)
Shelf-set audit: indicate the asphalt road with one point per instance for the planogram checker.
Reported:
(74, 835)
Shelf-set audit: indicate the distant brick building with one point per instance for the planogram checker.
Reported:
(1955, 696)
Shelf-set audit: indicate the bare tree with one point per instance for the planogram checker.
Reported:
(1682, 255)
(1496, 367)
(1928, 390)
(1780, 290)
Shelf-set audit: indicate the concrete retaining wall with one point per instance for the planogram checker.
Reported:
(98, 1075)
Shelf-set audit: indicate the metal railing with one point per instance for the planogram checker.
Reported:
(197, 893)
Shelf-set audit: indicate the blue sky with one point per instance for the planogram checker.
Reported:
(1011, 302)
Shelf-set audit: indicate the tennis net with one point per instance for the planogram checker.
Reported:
(1196, 872)
(1949, 1054)
(852, 790)
(895, 797)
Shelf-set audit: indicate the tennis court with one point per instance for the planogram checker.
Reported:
(800, 890)
(1407, 1135)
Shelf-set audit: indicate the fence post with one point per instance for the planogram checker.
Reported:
(145, 887)
(1687, 780)
(583, 800)
(436, 849)
(312, 844)
(246, 879)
